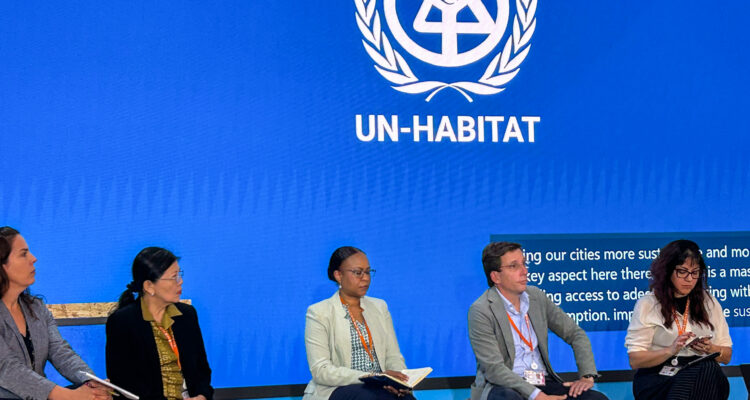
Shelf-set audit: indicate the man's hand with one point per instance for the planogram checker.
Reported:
(579, 386)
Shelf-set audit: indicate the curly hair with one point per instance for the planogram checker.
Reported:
(672, 255)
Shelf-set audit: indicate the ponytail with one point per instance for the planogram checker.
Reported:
(149, 265)
(127, 297)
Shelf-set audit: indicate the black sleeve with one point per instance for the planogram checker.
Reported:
(201, 376)
(123, 359)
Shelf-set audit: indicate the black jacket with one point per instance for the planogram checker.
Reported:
(133, 361)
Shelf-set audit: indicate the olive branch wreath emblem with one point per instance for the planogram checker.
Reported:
(393, 67)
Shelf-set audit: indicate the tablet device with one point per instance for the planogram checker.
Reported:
(110, 385)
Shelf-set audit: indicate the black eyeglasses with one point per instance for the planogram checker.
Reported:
(359, 273)
(683, 273)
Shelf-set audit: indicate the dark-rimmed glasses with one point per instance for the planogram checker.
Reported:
(359, 273)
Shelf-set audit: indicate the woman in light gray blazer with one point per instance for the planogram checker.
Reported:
(29, 335)
(350, 335)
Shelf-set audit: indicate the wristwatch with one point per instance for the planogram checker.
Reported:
(592, 376)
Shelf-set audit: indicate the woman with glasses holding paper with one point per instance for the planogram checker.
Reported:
(351, 335)
(154, 343)
(678, 332)
(29, 336)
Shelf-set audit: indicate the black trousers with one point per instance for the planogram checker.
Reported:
(360, 391)
(702, 381)
(552, 387)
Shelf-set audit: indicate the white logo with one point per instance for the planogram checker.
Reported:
(449, 29)
(501, 70)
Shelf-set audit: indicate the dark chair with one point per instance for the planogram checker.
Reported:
(745, 368)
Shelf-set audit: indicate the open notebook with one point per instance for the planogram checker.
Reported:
(415, 376)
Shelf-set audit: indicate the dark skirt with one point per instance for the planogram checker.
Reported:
(702, 381)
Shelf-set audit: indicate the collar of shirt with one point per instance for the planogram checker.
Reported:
(166, 320)
(509, 306)
(346, 309)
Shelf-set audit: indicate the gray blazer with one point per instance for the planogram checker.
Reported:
(329, 347)
(20, 379)
(492, 340)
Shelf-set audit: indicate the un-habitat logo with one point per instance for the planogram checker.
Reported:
(450, 34)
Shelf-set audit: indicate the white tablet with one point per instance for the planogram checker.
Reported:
(110, 385)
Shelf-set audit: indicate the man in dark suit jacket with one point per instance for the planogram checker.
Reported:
(508, 331)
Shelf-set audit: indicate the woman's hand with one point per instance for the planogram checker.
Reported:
(400, 376)
(703, 346)
(83, 392)
(397, 392)
(99, 391)
(679, 342)
(99, 388)
(652, 358)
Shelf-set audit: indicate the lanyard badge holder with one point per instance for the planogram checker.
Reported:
(674, 368)
(669, 370)
(531, 375)
(173, 345)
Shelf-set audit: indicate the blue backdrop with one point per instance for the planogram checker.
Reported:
(227, 132)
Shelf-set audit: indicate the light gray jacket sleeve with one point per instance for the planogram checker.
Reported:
(319, 352)
(19, 379)
(16, 376)
(563, 326)
(394, 360)
(66, 361)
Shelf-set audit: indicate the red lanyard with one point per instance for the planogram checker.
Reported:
(518, 331)
(685, 315)
(172, 344)
(368, 349)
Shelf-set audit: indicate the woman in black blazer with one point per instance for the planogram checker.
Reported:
(154, 343)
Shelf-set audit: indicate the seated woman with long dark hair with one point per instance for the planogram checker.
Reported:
(154, 343)
(678, 309)
(350, 335)
(29, 336)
